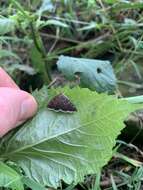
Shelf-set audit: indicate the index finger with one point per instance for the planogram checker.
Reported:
(6, 80)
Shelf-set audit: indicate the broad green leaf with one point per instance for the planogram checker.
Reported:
(56, 146)
(10, 178)
(94, 74)
(6, 25)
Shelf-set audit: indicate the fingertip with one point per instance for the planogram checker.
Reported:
(6, 80)
(28, 107)
(16, 107)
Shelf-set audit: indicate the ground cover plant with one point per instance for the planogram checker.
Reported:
(82, 61)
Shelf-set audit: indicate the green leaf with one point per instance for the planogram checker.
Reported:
(26, 68)
(54, 22)
(90, 26)
(41, 96)
(37, 59)
(129, 23)
(56, 146)
(111, 1)
(127, 5)
(32, 184)
(135, 99)
(91, 4)
(113, 183)
(6, 25)
(6, 53)
(94, 74)
(47, 5)
(10, 178)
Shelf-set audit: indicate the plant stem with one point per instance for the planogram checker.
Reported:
(42, 51)
(134, 99)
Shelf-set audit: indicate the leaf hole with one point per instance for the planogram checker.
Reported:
(99, 70)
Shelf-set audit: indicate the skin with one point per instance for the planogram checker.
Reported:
(16, 106)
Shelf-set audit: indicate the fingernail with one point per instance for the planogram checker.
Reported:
(27, 108)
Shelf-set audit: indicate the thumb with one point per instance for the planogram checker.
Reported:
(15, 107)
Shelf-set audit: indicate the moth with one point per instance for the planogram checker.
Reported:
(61, 103)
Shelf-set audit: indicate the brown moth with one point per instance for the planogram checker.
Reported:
(61, 103)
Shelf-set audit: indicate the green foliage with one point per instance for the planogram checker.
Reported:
(10, 178)
(46, 5)
(94, 74)
(56, 146)
(6, 25)
(53, 22)
(113, 183)
(5, 53)
(37, 60)
(134, 180)
(81, 30)
(32, 184)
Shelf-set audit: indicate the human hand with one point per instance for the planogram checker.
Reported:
(16, 105)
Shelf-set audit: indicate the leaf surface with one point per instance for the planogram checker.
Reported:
(10, 178)
(56, 146)
(93, 74)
